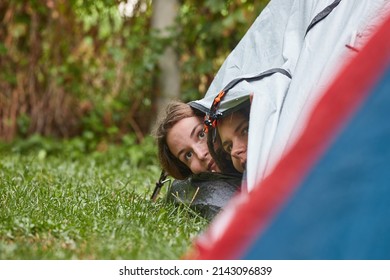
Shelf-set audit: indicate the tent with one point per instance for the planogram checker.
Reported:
(286, 59)
(326, 194)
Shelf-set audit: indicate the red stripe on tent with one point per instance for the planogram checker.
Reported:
(337, 105)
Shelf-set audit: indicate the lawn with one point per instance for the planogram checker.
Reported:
(61, 200)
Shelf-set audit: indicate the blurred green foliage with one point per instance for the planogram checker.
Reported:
(79, 68)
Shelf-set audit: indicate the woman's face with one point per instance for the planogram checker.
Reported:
(188, 142)
(233, 131)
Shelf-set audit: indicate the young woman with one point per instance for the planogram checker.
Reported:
(182, 143)
(183, 153)
(231, 133)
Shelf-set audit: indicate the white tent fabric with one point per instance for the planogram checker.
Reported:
(281, 38)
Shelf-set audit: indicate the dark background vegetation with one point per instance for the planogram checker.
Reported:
(73, 68)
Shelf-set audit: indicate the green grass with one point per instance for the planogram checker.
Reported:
(58, 201)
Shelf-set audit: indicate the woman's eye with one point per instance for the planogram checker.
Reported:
(228, 148)
(188, 155)
(201, 134)
(245, 131)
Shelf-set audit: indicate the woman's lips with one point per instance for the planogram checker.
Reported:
(211, 166)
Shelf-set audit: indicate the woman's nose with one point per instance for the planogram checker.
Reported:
(237, 151)
(201, 152)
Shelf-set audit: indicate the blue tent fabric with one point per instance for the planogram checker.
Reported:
(342, 208)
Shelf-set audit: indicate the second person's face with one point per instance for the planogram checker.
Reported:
(188, 142)
(233, 131)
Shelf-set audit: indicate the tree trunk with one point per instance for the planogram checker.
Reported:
(168, 82)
